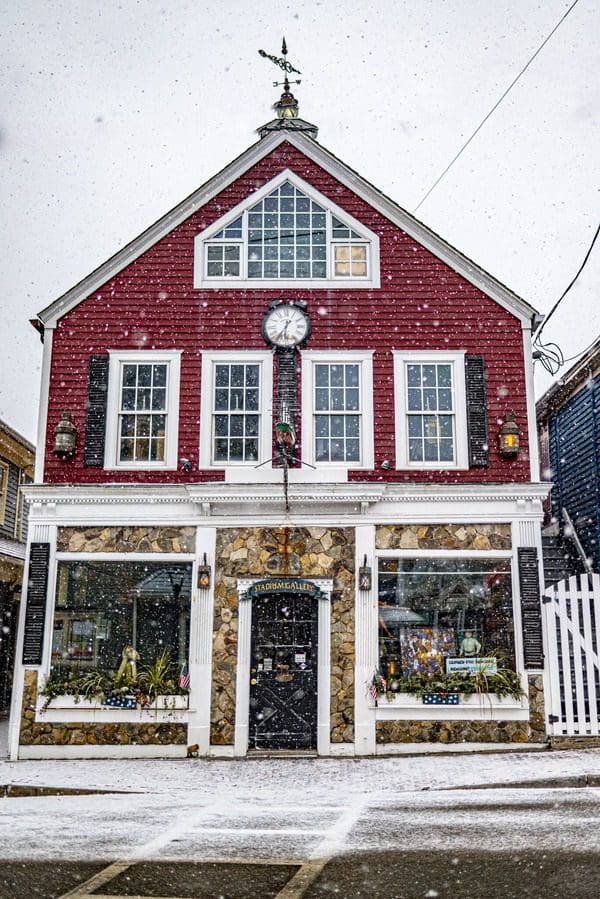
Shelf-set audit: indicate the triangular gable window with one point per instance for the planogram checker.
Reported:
(288, 235)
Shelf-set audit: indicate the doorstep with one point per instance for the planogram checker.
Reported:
(282, 754)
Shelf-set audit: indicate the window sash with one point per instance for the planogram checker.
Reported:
(143, 418)
(430, 410)
(142, 409)
(337, 412)
(236, 412)
(278, 243)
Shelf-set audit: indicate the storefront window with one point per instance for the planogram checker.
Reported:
(435, 610)
(103, 607)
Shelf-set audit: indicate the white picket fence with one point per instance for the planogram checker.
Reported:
(572, 613)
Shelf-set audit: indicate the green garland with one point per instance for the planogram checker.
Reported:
(504, 683)
(159, 679)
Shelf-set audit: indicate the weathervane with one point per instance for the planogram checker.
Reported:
(287, 105)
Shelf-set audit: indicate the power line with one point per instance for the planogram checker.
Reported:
(565, 292)
(495, 106)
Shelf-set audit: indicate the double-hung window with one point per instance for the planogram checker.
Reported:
(235, 420)
(430, 410)
(337, 409)
(143, 409)
(287, 233)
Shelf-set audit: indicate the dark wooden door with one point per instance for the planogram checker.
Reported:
(283, 672)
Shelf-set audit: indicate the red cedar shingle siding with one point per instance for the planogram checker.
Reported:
(422, 304)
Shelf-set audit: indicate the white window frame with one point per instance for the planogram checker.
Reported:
(461, 445)
(364, 358)
(210, 359)
(118, 358)
(366, 237)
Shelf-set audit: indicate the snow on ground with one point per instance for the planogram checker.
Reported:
(282, 809)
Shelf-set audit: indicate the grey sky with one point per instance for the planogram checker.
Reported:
(112, 112)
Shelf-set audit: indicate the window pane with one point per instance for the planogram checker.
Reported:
(102, 607)
(432, 610)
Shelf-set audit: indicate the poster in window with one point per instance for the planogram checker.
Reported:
(423, 649)
(81, 642)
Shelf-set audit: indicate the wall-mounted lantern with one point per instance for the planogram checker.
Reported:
(65, 437)
(365, 576)
(509, 437)
(204, 572)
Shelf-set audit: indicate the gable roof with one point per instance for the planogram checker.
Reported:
(339, 170)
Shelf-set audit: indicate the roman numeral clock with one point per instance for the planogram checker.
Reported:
(286, 328)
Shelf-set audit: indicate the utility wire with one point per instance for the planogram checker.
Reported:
(550, 354)
(565, 292)
(495, 106)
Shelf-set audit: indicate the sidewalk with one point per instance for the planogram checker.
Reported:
(321, 777)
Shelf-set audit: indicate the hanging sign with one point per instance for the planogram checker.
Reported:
(283, 585)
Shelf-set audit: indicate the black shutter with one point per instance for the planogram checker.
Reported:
(35, 612)
(95, 423)
(477, 428)
(531, 607)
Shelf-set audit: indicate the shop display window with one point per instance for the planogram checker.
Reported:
(438, 615)
(103, 608)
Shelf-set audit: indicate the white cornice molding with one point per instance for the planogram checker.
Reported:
(335, 167)
(208, 495)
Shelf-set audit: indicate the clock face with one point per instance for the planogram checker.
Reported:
(286, 326)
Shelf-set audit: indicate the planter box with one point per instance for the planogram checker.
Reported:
(176, 701)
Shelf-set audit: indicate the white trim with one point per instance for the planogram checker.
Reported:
(532, 435)
(437, 357)
(485, 707)
(40, 452)
(105, 751)
(330, 282)
(172, 358)
(242, 692)
(337, 169)
(263, 358)
(364, 358)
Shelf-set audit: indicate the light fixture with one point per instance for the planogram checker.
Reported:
(365, 576)
(509, 436)
(287, 105)
(65, 437)
(204, 575)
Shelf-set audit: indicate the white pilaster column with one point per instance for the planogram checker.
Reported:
(201, 641)
(242, 699)
(366, 645)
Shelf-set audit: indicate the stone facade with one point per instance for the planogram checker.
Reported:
(532, 731)
(290, 552)
(443, 536)
(126, 540)
(40, 733)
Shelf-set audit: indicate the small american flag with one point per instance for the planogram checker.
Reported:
(184, 677)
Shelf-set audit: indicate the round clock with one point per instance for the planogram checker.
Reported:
(286, 325)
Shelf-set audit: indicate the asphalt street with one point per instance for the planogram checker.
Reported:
(395, 828)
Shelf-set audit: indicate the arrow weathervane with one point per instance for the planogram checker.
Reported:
(281, 62)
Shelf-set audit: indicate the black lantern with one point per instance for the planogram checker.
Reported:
(365, 576)
(509, 437)
(204, 575)
(65, 437)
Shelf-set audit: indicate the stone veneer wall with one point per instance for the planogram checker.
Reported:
(443, 536)
(40, 733)
(532, 731)
(126, 540)
(108, 539)
(289, 552)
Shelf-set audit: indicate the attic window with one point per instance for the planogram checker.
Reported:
(289, 234)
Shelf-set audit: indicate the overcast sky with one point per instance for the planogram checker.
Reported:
(114, 110)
